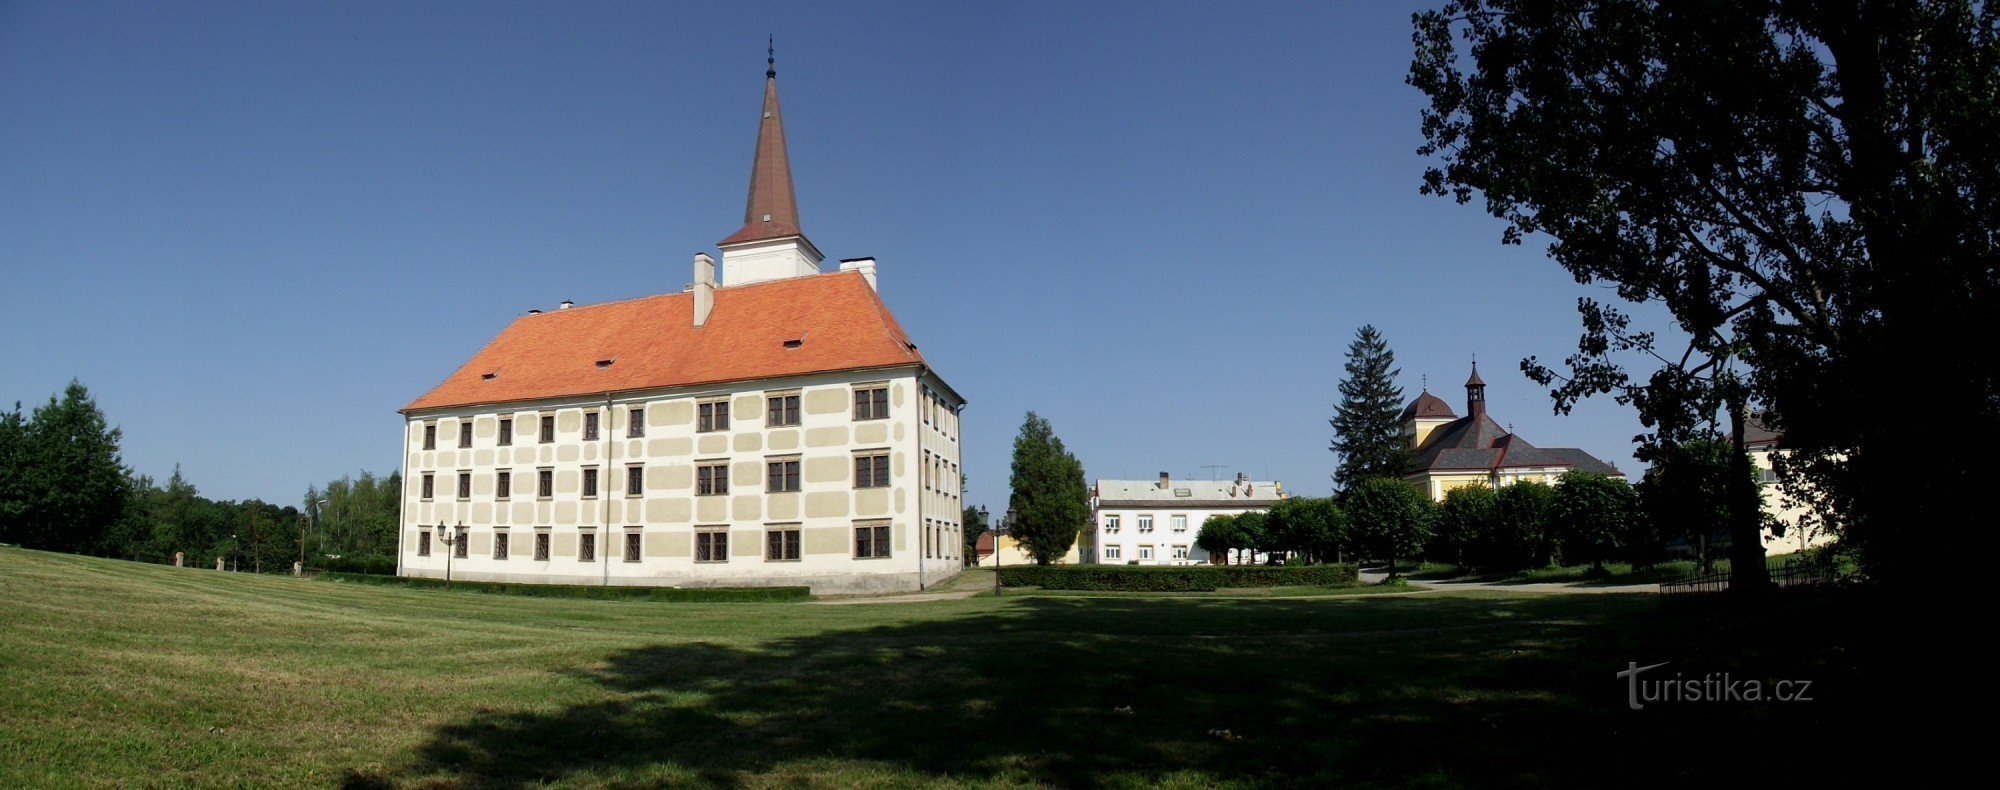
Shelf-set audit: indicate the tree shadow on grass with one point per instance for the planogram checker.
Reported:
(1094, 692)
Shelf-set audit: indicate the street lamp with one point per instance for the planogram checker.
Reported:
(450, 539)
(999, 530)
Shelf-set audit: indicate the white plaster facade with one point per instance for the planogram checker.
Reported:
(1144, 522)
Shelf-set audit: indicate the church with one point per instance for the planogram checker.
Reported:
(771, 424)
(1448, 451)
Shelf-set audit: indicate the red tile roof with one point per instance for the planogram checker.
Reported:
(652, 343)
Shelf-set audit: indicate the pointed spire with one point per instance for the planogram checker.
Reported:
(773, 210)
(1475, 381)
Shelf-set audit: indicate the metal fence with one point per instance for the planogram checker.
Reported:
(1784, 574)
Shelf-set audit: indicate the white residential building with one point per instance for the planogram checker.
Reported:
(773, 426)
(1147, 522)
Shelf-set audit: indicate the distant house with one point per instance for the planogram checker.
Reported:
(1145, 522)
(1763, 444)
(1012, 553)
(1449, 451)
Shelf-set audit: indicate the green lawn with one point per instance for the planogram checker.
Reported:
(132, 674)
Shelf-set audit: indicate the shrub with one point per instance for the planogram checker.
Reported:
(382, 566)
(621, 593)
(1181, 578)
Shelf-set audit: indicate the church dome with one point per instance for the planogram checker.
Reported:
(1428, 407)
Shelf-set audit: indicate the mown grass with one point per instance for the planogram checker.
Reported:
(122, 674)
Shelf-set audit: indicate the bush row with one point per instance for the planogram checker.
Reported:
(1182, 578)
(622, 593)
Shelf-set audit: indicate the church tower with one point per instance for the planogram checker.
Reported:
(770, 246)
(1475, 394)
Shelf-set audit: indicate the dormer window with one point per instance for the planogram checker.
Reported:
(795, 343)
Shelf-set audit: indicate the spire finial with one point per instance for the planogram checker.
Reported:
(1427, 382)
(771, 57)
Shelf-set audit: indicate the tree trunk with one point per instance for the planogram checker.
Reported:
(1746, 530)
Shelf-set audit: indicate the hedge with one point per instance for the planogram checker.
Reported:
(620, 593)
(384, 566)
(1178, 578)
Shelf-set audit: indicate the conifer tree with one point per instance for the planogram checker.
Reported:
(68, 486)
(1366, 433)
(1049, 500)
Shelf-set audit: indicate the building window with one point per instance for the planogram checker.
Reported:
(1180, 523)
(784, 410)
(506, 431)
(590, 426)
(711, 479)
(1110, 523)
(464, 486)
(871, 541)
(781, 544)
(871, 471)
(499, 545)
(548, 428)
(1114, 553)
(871, 403)
(464, 434)
(541, 547)
(459, 548)
(784, 476)
(711, 546)
(1145, 552)
(430, 486)
(632, 546)
(1180, 552)
(586, 547)
(430, 436)
(635, 422)
(423, 543)
(503, 484)
(1146, 523)
(545, 483)
(589, 483)
(635, 480)
(712, 416)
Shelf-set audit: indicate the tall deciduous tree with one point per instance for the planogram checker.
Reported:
(1391, 520)
(1217, 537)
(1686, 494)
(1808, 188)
(1366, 433)
(1520, 536)
(1467, 514)
(1312, 527)
(1592, 515)
(1050, 501)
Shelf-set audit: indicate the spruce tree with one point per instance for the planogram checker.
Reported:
(1366, 433)
(74, 487)
(1049, 499)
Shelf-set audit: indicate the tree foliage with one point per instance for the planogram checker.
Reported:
(1808, 188)
(1314, 528)
(1050, 501)
(975, 526)
(1218, 537)
(1390, 520)
(1592, 515)
(1367, 432)
(1466, 516)
(1686, 495)
(66, 486)
(1519, 536)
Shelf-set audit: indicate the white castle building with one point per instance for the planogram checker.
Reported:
(1143, 522)
(774, 426)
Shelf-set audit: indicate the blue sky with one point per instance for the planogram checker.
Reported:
(255, 230)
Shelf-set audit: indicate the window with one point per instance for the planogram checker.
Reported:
(635, 422)
(503, 484)
(635, 480)
(1146, 523)
(586, 547)
(499, 545)
(423, 543)
(1145, 552)
(784, 410)
(464, 485)
(784, 475)
(711, 479)
(506, 431)
(430, 436)
(548, 428)
(632, 546)
(1767, 475)
(545, 483)
(712, 416)
(711, 546)
(590, 426)
(1110, 523)
(1180, 523)
(464, 433)
(871, 471)
(430, 485)
(1180, 552)
(541, 547)
(871, 541)
(589, 483)
(1114, 553)
(459, 548)
(781, 545)
(871, 403)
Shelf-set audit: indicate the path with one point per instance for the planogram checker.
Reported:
(1569, 588)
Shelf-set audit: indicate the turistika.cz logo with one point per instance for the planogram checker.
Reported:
(1710, 687)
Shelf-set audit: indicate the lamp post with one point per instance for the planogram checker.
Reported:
(999, 530)
(450, 539)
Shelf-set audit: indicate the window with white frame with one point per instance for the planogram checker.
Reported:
(1145, 552)
(1146, 523)
(1111, 523)
(1180, 522)
(1180, 552)
(1114, 553)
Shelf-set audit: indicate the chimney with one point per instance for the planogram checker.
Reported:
(566, 304)
(866, 266)
(1165, 481)
(704, 288)
(1242, 478)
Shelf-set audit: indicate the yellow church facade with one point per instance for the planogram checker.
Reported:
(1449, 451)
